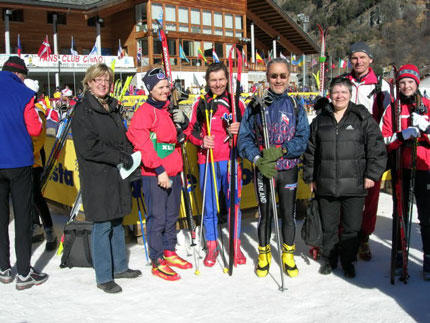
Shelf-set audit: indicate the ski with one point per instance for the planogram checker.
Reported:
(398, 228)
(264, 101)
(322, 59)
(234, 171)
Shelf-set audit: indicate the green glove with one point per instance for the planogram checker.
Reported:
(266, 168)
(272, 154)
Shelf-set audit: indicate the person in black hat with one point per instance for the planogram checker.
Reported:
(18, 121)
(374, 93)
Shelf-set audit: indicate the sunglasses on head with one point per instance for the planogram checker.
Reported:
(274, 76)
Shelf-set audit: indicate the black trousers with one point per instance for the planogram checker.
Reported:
(286, 187)
(18, 183)
(422, 195)
(331, 209)
(40, 207)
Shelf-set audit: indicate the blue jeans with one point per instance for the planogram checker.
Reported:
(210, 217)
(108, 248)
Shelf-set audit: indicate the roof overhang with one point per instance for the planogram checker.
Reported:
(271, 22)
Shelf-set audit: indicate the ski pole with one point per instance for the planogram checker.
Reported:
(272, 190)
(141, 228)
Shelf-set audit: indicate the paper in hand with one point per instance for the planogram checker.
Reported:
(137, 156)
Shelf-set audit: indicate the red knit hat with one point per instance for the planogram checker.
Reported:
(410, 71)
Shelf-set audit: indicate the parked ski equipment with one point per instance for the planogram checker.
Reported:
(322, 59)
(264, 101)
(398, 230)
(234, 166)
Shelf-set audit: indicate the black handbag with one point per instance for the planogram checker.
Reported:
(312, 229)
(77, 245)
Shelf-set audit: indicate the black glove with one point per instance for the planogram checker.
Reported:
(126, 160)
(136, 188)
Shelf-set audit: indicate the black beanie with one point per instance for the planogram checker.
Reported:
(152, 77)
(15, 64)
(360, 47)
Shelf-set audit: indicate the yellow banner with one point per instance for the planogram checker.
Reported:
(64, 184)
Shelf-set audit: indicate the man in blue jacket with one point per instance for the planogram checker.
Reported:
(288, 129)
(18, 121)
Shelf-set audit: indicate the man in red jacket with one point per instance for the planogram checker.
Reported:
(18, 121)
(374, 93)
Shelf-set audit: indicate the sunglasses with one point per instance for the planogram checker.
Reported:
(274, 76)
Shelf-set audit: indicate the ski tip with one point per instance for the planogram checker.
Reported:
(225, 270)
(197, 272)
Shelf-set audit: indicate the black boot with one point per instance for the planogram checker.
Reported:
(348, 270)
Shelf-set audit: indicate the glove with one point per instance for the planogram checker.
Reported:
(272, 154)
(178, 116)
(268, 169)
(136, 188)
(126, 160)
(411, 132)
(420, 121)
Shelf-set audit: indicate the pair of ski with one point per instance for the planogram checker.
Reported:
(402, 217)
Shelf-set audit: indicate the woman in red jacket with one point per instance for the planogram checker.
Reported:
(152, 132)
(415, 124)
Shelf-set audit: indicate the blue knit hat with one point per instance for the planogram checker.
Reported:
(152, 77)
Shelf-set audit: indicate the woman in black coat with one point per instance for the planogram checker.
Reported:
(345, 156)
(101, 145)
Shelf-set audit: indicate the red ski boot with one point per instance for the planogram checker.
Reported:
(161, 269)
(174, 260)
(211, 254)
(240, 257)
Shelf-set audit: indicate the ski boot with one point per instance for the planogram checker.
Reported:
(161, 269)
(174, 260)
(364, 249)
(288, 263)
(211, 254)
(51, 239)
(240, 257)
(37, 235)
(348, 270)
(426, 268)
(264, 260)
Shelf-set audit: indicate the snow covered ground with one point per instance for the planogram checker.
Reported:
(70, 295)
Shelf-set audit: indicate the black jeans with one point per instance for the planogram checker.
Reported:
(40, 206)
(348, 212)
(286, 187)
(18, 183)
(422, 195)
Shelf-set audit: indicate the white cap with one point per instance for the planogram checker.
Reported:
(32, 84)
(66, 92)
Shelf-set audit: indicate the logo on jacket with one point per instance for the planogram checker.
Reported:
(285, 119)
(349, 128)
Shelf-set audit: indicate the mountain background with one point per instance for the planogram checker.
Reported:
(397, 31)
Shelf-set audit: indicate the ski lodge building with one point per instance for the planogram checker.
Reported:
(193, 28)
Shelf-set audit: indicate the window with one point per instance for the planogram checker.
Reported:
(157, 46)
(218, 19)
(183, 15)
(91, 22)
(16, 16)
(238, 22)
(157, 11)
(171, 44)
(228, 21)
(207, 49)
(61, 18)
(219, 50)
(143, 44)
(141, 17)
(195, 20)
(207, 18)
(188, 47)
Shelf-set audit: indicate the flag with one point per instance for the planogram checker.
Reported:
(314, 62)
(112, 66)
(258, 58)
(201, 55)
(342, 63)
(195, 81)
(182, 54)
(94, 50)
(215, 56)
(160, 21)
(45, 49)
(120, 51)
(72, 48)
(139, 53)
(298, 62)
(19, 46)
(245, 60)
(284, 57)
(270, 55)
